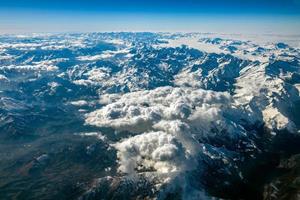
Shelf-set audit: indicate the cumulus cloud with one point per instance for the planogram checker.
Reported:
(157, 151)
(138, 111)
(167, 122)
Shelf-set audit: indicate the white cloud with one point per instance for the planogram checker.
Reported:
(98, 135)
(137, 111)
(156, 151)
(79, 103)
(168, 122)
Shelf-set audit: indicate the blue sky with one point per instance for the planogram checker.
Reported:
(236, 16)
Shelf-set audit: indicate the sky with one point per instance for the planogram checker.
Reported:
(225, 16)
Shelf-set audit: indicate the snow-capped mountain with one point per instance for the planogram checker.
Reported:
(186, 116)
